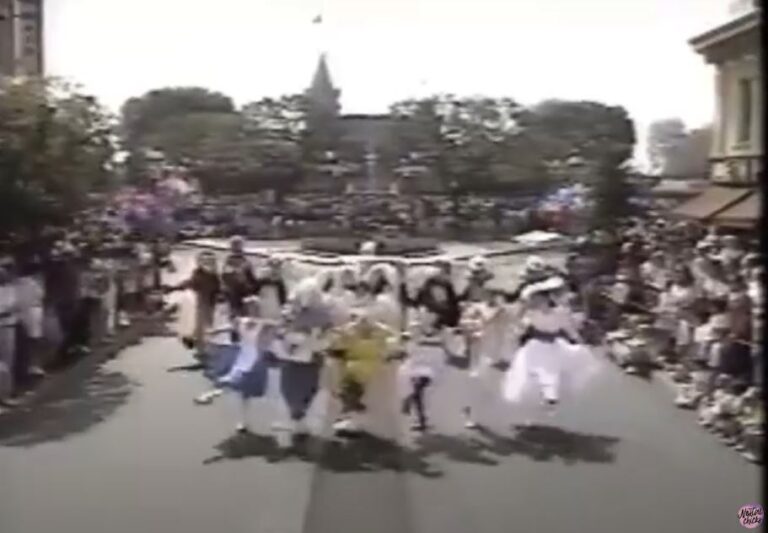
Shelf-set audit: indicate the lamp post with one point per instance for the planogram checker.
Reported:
(454, 188)
(371, 158)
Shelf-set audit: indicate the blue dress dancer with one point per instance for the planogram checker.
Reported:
(242, 367)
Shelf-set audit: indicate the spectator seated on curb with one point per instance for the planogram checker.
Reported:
(630, 346)
(726, 425)
(722, 409)
(690, 395)
(679, 373)
(683, 338)
(751, 418)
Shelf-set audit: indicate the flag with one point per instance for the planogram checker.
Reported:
(317, 20)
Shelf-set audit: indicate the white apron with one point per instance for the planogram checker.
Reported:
(544, 368)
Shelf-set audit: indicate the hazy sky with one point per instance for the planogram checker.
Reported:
(628, 52)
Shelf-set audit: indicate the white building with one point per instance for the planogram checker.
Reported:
(733, 48)
(21, 37)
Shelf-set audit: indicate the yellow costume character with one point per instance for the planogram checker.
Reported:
(363, 348)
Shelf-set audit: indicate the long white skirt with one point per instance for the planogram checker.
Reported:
(547, 369)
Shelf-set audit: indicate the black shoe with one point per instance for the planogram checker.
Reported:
(188, 343)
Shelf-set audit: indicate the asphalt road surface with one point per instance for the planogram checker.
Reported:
(119, 447)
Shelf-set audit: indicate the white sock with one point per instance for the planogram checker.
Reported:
(244, 403)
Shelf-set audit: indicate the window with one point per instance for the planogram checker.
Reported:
(745, 110)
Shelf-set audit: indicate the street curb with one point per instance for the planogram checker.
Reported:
(131, 336)
(223, 247)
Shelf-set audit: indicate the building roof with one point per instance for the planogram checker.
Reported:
(727, 31)
(710, 202)
(744, 214)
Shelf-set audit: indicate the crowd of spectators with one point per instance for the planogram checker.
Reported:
(66, 292)
(689, 301)
(311, 215)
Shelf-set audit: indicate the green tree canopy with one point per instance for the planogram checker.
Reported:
(264, 149)
(55, 147)
(475, 142)
(147, 122)
(596, 132)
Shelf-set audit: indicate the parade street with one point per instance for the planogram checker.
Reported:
(118, 446)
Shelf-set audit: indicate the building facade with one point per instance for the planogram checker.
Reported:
(21, 38)
(736, 156)
(362, 150)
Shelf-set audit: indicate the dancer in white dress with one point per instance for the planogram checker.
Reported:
(384, 301)
(485, 322)
(550, 358)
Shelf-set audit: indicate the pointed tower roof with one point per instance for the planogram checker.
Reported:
(321, 83)
(323, 95)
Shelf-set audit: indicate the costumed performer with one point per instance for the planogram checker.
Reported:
(308, 321)
(243, 367)
(204, 283)
(270, 286)
(550, 356)
(362, 348)
(437, 303)
(238, 280)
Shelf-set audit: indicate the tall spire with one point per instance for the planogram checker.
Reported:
(321, 82)
(322, 93)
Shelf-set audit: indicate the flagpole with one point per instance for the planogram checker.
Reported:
(318, 22)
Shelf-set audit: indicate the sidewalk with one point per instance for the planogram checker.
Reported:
(140, 328)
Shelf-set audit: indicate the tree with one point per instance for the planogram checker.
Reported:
(144, 120)
(283, 118)
(597, 133)
(469, 141)
(610, 195)
(182, 138)
(601, 137)
(261, 148)
(55, 147)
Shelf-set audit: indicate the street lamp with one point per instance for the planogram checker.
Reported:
(454, 189)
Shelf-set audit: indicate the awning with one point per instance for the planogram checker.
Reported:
(711, 201)
(744, 214)
(678, 188)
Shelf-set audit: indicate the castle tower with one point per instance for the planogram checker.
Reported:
(323, 110)
(323, 97)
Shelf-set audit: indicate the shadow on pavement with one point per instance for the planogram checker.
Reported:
(545, 443)
(364, 453)
(369, 453)
(454, 448)
(77, 404)
(248, 445)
